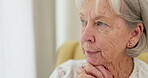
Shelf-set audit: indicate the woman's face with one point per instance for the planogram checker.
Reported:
(104, 35)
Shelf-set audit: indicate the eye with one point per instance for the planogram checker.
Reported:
(84, 23)
(101, 24)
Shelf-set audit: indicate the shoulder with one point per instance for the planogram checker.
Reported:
(140, 69)
(66, 70)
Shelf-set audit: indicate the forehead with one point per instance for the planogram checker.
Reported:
(96, 8)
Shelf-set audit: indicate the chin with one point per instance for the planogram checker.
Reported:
(95, 62)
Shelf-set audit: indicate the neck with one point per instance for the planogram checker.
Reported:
(121, 67)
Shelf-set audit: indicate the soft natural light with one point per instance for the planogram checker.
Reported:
(17, 54)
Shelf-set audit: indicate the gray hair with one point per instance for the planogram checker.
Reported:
(134, 12)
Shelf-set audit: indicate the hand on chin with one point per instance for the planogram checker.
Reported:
(89, 71)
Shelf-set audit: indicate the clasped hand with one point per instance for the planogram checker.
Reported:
(89, 71)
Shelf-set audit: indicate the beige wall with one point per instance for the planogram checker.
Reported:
(56, 21)
(44, 20)
(67, 21)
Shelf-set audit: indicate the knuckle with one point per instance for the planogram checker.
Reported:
(88, 67)
(109, 76)
(81, 75)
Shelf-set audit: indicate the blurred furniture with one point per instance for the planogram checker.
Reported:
(72, 50)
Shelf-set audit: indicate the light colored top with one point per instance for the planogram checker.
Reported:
(68, 69)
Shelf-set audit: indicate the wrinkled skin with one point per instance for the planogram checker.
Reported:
(104, 39)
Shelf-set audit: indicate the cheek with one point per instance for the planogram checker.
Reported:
(111, 45)
(81, 40)
(108, 47)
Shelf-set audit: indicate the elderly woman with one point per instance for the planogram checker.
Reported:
(113, 33)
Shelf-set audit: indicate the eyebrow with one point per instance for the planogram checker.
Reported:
(97, 17)
(100, 17)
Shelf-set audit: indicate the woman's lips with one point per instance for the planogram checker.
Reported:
(91, 52)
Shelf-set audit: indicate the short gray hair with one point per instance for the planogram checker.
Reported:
(134, 12)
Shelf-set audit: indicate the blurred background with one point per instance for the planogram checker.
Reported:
(31, 31)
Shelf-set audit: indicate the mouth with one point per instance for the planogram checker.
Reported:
(90, 49)
(88, 52)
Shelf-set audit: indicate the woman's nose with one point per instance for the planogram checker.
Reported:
(88, 35)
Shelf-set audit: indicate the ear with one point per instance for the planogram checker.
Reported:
(135, 35)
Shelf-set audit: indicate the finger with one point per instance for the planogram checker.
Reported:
(90, 69)
(105, 72)
(84, 75)
(80, 70)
